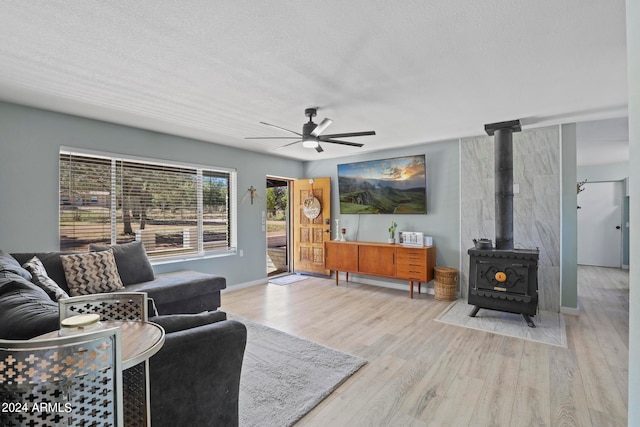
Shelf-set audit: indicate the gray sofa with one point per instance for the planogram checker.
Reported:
(173, 293)
(194, 378)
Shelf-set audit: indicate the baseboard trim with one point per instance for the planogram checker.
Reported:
(426, 289)
(570, 311)
(245, 285)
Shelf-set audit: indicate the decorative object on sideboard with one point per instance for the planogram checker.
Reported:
(343, 232)
(411, 238)
(392, 232)
(338, 235)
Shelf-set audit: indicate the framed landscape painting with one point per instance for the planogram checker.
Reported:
(388, 186)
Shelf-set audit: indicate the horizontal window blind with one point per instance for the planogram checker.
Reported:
(172, 209)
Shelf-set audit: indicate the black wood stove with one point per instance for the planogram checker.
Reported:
(504, 278)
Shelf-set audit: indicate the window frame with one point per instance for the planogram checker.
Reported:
(199, 169)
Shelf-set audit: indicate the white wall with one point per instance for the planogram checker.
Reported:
(607, 172)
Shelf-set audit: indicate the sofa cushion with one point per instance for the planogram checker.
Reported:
(180, 322)
(42, 279)
(91, 273)
(27, 311)
(9, 263)
(132, 261)
(167, 288)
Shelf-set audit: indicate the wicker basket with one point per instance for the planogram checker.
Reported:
(446, 283)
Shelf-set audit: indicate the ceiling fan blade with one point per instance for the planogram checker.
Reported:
(319, 149)
(286, 145)
(321, 127)
(347, 135)
(272, 137)
(278, 127)
(336, 141)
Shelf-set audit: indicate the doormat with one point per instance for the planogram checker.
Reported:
(550, 327)
(285, 280)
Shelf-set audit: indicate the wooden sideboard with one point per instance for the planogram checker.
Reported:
(392, 261)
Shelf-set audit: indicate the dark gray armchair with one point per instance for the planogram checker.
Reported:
(195, 377)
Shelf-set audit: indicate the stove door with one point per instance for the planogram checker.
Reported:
(502, 276)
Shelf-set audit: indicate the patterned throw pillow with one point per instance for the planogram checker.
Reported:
(131, 260)
(91, 273)
(40, 277)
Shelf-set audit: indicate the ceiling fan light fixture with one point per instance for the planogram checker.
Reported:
(310, 143)
(313, 134)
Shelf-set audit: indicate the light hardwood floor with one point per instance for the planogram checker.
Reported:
(425, 373)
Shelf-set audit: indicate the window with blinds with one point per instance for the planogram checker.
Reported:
(173, 209)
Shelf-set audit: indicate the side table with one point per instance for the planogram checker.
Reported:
(140, 341)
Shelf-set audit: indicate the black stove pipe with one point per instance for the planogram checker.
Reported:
(503, 154)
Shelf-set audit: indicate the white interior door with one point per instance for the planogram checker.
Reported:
(599, 224)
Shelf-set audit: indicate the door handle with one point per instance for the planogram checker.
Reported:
(617, 227)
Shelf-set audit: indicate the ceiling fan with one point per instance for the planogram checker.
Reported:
(311, 135)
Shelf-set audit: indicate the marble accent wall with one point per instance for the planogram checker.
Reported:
(536, 170)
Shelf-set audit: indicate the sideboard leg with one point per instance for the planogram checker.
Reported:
(337, 274)
(411, 288)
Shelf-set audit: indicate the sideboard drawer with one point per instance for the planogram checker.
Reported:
(412, 263)
(412, 272)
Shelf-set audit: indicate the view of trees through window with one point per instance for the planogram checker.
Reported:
(171, 209)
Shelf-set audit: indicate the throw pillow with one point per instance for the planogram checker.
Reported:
(9, 263)
(42, 279)
(132, 261)
(91, 273)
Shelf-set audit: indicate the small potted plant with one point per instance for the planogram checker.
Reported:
(392, 232)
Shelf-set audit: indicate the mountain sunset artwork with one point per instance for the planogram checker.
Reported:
(387, 186)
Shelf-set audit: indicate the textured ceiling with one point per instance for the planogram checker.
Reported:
(414, 71)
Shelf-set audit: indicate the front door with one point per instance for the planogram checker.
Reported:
(311, 224)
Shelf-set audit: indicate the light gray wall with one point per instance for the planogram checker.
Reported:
(30, 140)
(536, 169)
(442, 220)
(569, 244)
(633, 70)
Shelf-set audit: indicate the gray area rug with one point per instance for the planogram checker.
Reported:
(550, 327)
(284, 377)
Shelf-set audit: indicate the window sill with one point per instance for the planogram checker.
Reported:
(191, 257)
